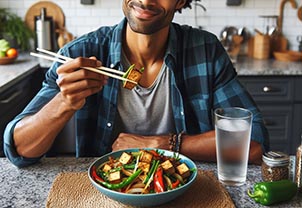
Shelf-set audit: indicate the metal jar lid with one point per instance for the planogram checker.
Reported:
(275, 159)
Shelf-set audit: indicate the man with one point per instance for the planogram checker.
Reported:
(187, 75)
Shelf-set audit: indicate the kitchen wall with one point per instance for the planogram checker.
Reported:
(84, 18)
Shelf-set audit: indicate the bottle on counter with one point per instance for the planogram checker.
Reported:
(275, 166)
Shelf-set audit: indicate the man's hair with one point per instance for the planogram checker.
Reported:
(187, 5)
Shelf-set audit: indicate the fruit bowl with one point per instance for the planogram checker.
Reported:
(149, 199)
(7, 60)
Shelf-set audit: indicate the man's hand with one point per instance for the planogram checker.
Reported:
(76, 84)
(125, 141)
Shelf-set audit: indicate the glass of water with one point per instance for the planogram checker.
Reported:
(233, 133)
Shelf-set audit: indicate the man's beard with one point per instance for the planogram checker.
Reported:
(141, 26)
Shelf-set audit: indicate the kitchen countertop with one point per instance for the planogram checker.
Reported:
(246, 66)
(26, 64)
(29, 187)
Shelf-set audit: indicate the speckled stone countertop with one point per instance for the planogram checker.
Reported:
(29, 187)
(246, 66)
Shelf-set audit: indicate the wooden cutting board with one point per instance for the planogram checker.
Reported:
(52, 10)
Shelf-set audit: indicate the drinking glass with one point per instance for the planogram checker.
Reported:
(233, 133)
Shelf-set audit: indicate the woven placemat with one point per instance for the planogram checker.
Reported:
(75, 190)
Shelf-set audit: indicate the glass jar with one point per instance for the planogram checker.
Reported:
(275, 166)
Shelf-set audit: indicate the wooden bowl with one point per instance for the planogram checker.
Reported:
(7, 60)
(288, 56)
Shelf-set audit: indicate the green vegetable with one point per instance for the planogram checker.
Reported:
(267, 193)
(4, 45)
(121, 184)
(128, 71)
(153, 168)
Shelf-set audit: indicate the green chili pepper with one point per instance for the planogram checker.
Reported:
(267, 193)
(129, 166)
(152, 170)
(123, 183)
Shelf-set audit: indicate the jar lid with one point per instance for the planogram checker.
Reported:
(273, 158)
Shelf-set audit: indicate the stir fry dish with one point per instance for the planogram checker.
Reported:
(142, 172)
(133, 74)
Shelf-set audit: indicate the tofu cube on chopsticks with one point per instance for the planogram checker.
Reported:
(125, 158)
(183, 170)
(133, 74)
(168, 167)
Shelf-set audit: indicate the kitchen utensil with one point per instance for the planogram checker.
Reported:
(269, 22)
(300, 13)
(63, 37)
(52, 10)
(44, 28)
(63, 59)
(281, 12)
(261, 46)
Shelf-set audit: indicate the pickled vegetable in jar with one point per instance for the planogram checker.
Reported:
(275, 166)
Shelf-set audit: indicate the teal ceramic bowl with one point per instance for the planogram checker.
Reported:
(143, 200)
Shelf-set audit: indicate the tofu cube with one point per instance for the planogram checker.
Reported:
(115, 177)
(146, 157)
(168, 167)
(145, 167)
(183, 170)
(125, 158)
(106, 168)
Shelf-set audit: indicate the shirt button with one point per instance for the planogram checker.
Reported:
(182, 113)
(109, 125)
(111, 65)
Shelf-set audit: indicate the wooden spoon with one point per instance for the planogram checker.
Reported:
(300, 13)
(281, 11)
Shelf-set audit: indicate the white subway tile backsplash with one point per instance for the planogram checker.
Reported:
(80, 19)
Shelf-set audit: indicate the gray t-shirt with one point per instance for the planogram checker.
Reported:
(146, 111)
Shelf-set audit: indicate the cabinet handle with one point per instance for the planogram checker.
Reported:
(12, 97)
(267, 89)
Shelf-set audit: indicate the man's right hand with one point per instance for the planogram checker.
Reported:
(76, 83)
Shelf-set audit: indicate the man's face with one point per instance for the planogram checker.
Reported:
(147, 17)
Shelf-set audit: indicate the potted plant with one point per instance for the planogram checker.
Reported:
(14, 30)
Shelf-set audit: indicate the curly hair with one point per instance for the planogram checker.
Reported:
(187, 5)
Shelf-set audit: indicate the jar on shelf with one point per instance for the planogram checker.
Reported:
(275, 166)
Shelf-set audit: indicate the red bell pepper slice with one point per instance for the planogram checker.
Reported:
(175, 184)
(154, 153)
(158, 181)
(95, 175)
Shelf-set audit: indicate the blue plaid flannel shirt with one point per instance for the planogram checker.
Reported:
(203, 78)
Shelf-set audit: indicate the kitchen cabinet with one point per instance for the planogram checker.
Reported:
(16, 97)
(279, 98)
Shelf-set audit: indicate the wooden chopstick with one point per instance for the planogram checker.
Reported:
(68, 59)
(62, 59)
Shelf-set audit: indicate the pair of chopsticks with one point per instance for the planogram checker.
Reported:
(63, 59)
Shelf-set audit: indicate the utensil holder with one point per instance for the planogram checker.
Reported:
(261, 46)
